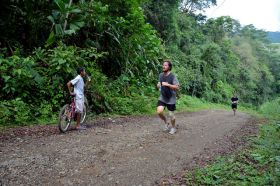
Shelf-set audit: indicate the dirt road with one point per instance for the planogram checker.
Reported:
(121, 151)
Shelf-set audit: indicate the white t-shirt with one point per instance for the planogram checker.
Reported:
(78, 83)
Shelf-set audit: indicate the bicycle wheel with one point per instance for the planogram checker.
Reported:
(64, 119)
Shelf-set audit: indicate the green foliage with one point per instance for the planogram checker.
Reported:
(24, 24)
(132, 96)
(137, 104)
(14, 111)
(192, 6)
(219, 93)
(45, 114)
(225, 90)
(161, 14)
(140, 49)
(220, 57)
(113, 39)
(274, 65)
(19, 78)
(121, 44)
(46, 72)
(271, 109)
(221, 27)
(258, 166)
(66, 14)
(63, 61)
(189, 103)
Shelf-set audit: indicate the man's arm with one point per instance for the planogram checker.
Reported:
(70, 87)
(174, 87)
(158, 85)
(159, 81)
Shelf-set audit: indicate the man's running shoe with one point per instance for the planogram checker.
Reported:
(166, 127)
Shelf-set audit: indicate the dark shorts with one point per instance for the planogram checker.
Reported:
(170, 107)
(234, 106)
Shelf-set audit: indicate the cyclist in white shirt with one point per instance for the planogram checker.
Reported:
(79, 85)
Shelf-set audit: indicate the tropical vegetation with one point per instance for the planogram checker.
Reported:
(122, 44)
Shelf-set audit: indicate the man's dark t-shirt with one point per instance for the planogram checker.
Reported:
(171, 79)
(233, 99)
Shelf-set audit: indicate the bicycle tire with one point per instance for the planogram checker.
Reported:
(64, 120)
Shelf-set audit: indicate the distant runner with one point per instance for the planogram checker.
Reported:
(168, 84)
(234, 101)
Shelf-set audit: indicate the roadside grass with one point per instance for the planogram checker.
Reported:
(271, 110)
(258, 165)
(143, 105)
(193, 104)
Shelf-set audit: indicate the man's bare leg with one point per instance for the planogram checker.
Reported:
(173, 122)
(172, 118)
(160, 110)
(78, 120)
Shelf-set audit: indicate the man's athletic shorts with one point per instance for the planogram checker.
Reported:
(234, 105)
(170, 107)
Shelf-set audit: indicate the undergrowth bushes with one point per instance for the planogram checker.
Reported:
(34, 88)
(15, 111)
(271, 109)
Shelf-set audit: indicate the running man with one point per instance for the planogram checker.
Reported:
(168, 84)
(234, 101)
(79, 85)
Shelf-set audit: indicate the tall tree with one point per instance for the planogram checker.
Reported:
(23, 24)
(191, 6)
(162, 15)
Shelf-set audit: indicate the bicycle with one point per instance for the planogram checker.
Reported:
(67, 115)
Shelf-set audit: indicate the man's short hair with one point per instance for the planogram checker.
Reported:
(80, 69)
(169, 63)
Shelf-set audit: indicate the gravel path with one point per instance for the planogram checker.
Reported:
(120, 151)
